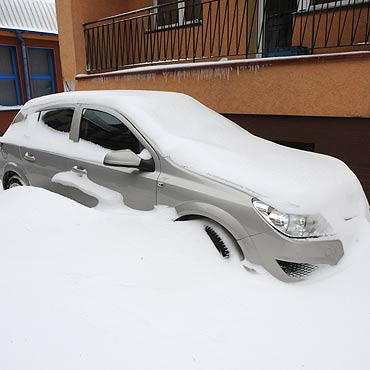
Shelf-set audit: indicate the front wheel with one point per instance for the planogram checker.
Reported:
(224, 242)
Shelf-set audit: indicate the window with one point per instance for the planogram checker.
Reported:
(41, 63)
(107, 131)
(178, 13)
(58, 119)
(9, 85)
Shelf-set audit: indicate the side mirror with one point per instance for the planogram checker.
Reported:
(127, 158)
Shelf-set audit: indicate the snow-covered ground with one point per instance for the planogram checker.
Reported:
(103, 289)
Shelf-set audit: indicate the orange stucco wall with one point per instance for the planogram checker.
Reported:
(336, 86)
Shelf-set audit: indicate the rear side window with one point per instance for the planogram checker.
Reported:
(58, 119)
(107, 131)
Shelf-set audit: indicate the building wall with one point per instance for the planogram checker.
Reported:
(334, 86)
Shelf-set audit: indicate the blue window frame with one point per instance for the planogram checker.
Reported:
(41, 65)
(9, 83)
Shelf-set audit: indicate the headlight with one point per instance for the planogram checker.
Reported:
(295, 226)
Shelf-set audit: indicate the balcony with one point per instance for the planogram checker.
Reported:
(195, 30)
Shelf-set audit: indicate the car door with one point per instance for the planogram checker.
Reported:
(48, 148)
(101, 131)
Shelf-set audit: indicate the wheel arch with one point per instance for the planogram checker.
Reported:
(12, 169)
(197, 209)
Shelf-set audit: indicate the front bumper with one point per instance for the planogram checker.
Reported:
(281, 255)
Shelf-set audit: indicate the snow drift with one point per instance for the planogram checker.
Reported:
(89, 289)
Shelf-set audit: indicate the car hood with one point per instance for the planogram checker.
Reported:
(288, 179)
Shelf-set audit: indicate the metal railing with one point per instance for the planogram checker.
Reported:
(193, 30)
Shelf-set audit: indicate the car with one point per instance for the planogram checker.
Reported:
(273, 206)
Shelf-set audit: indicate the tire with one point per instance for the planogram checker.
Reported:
(224, 242)
(13, 182)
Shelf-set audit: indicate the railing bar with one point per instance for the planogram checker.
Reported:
(263, 27)
(221, 37)
(180, 43)
(165, 39)
(137, 39)
(204, 34)
(145, 40)
(237, 26)
(367, 33)
(241, 28)
(172, 45)
(192, 29)
(318, 24)
(304, 29)
(249, 40)
(212, 39)
(118, 44)
(113, 56)
(109, 47)
(247, 30)
(132, 43)
(198, 31)
(357, 22)
(98, 51)
(344, 23)
(106, 46)
(232, 28)
(328, 30)
(127, 45)
(187, 42)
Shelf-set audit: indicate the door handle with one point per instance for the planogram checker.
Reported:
(79, 170)
(29, 157)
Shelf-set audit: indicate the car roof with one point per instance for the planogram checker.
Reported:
(109, 98)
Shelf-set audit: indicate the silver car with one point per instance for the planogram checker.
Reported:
(273, 206)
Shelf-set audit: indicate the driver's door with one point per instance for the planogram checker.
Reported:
(101, 131)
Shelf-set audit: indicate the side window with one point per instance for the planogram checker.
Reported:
(58, 119)
(107, 131)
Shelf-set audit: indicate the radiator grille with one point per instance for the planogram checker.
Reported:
(297, 270)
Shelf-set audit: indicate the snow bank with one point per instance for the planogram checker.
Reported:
(89, 289)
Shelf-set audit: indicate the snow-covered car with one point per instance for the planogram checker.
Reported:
(274, 206)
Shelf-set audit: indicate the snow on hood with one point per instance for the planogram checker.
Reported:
(200, 139)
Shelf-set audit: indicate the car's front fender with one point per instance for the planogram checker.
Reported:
(214, 213)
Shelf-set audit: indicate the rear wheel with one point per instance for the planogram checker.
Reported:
(13, 182)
